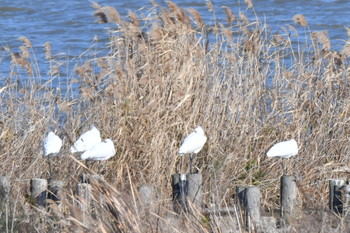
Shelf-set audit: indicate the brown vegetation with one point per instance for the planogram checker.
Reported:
(165, 75)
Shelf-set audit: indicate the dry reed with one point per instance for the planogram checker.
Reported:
(162, 78)
(300, 19)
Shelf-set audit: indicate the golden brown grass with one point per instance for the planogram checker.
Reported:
(165, 75)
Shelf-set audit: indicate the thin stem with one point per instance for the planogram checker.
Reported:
(49, 162)
(191, 158)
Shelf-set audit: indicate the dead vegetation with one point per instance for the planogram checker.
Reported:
(165, 74)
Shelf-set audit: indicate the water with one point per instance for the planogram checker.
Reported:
(70, 26)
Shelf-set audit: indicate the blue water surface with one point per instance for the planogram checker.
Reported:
(70, 26)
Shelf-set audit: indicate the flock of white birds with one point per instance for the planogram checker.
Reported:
(93, 148)
(89, 143)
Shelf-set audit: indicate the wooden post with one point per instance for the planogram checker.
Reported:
(240, 196)
(252, 208)
(5, 188)
(146, 195)
(179, 184)
(288, 196)
(346, 201)
(147, 199)
(335, 197)
(194, 190)
(84, 178)
(38, 189)
(84, 194)
(55, 191)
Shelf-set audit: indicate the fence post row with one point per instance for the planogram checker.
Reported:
(188, 188)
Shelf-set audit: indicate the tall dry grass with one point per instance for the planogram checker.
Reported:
(165, 74)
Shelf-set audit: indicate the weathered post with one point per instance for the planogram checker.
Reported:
(346, 200)
(5, 188)
(194, 190)
(335, 197)
(179, 184)
(240, 196)
(38, 189)
(288, 196)
(252, 208)
(84, 193)
(84, 178)
(55, 191)
(147, 197)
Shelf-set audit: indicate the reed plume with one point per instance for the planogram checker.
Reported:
(18, 59)
(25, 52)
(172, 6)
(322, 38)
(249, 3)
(197, 17)
(108, 14)
(244, 18)
(230, 15)
(346, 49)
(26, 41)
(134, 19)
(210, 5)
(347, 31)
(300, 19)
(47, 48)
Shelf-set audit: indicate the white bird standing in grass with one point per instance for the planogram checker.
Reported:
(284, 150)
(101, 151)
(52, 146)
(193, 143)
(87, 140)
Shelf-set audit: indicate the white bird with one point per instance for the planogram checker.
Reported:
(52, 146)
(283, 150)
(101, 151)
(193, 143)
(87, 140)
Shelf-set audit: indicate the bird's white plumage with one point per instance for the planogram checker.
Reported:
(194, 142)
(284, 149)
(87, 140)
(101, 151)
(52, 144)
